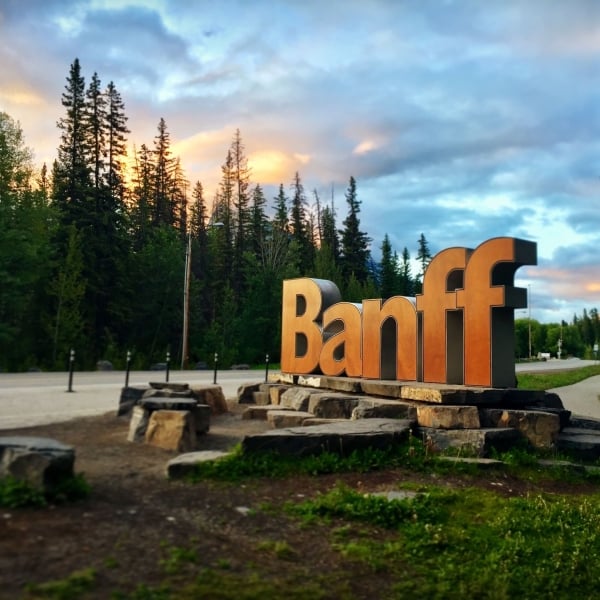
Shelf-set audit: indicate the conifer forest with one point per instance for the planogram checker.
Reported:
(111, 250)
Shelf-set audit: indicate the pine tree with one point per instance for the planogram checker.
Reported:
(72, 174)
(96, 123)
(406, 281)
(354, 242)
(423, 254)
(142, 196)
(389, 280)
(116, 132)
(330, 234)
(300, 229)
(164, 211)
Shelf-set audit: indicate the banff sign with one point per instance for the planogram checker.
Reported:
(460, 330)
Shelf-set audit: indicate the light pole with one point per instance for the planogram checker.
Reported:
(529, 317)
(186, 302)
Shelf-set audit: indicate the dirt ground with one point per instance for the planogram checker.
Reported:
(134, 515)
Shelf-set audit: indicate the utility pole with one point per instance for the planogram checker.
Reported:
(186, 302)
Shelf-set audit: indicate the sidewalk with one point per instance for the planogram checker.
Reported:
(582, 398)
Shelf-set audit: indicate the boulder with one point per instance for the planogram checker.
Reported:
(382, 408)
(539, 428)
(130, 396)
(42, 462)
(296, 398)
(104, 365)
(287, 418)
(211, 395)
(275, 392)
(477, 441)
(332, 405)
(245, 393)
(138, 424)
(448, 417)
(340, 437)
(261, 398)
(172, 430)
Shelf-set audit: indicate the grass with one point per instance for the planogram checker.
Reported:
(16, 493)
(555, 379)
(471, 543)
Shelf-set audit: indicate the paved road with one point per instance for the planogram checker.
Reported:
(29, 399)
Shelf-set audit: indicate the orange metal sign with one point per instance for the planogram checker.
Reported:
(460, 330)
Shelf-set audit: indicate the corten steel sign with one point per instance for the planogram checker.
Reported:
(460, 330)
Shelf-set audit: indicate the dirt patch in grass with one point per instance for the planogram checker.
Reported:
(138, 528)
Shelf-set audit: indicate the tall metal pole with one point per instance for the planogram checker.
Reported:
(186, 302)
(529, 319)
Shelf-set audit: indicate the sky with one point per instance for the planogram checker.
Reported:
(460, 120)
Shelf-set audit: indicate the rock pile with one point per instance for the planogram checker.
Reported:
(443, 416)
(170, 415)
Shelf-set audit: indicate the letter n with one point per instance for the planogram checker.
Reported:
(381, 339)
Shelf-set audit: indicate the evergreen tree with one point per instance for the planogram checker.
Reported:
(142, 196)
(330, 234)
(300, 229)
(96, 123)
(389, 279)
(72, 174)
(116, 132)
(164, 210)
(406, 285)
(423, 256)
(354, 242)
(25, 252)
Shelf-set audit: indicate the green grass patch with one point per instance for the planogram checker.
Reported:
(472, 543)
(16, 493)
(73, 587)
(238, 466)
(551, 380)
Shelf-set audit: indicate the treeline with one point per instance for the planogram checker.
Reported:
(94, 258)
(579, 338)
(106, 261)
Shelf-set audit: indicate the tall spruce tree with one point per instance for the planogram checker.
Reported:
(301, 235)
(71, 185)
(354, 242)
(116, 142)
(388, 270)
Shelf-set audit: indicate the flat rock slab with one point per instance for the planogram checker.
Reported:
(341, 438)
(280, 419)
(165, 385)
(580, 442)
(183, 465)
(158, 403)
